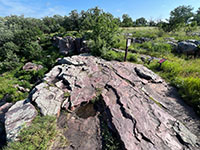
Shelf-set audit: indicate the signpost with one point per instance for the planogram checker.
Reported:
(128, 43)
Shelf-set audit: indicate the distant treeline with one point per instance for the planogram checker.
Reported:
(21, 38)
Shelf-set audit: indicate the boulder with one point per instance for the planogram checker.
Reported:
(173, 44)
(3, 109)
(32, 67)
(20, 114)
(48, 98)
(69, 44)
(187, 46)
(194, 41)
(135, 110)
(147, 74)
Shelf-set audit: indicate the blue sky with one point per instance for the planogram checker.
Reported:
(150, 9)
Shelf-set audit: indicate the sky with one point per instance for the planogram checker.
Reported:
(150, 9)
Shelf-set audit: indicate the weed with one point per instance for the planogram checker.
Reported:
(66, 94)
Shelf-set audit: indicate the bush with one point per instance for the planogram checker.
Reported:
(32, 51)
(111, 55)
(7, 87)
(31, 76)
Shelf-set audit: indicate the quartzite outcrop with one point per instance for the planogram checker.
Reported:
(140, 108)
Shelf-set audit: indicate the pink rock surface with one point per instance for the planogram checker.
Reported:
(135, 103)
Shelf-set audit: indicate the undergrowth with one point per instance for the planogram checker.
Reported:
(38, 136)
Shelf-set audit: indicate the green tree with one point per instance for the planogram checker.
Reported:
(151, 23)
(141, 21)
(180, 16)
(197, 16)
(104, 27)
(74, 19)
(8, 57)
(7, 49)
(32, 51)
(127, 21)
(89, 18)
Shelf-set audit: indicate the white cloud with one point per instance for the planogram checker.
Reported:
(12, 7)
(118, 10)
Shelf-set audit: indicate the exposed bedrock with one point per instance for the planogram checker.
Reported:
(140, 108)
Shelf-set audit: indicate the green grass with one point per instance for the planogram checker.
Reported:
(110, 141)
(38, 136)
(66, 94)
(119, 56)
(183, 74)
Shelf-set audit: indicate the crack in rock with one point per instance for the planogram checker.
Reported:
(128, 116)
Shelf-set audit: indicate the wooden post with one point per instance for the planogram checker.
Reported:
(128, 43)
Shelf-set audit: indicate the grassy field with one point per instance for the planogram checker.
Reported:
(180, 71)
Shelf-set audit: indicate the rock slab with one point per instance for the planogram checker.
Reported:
(133, 113)
(19, 115)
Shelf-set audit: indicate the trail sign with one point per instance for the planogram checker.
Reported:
(128, 43)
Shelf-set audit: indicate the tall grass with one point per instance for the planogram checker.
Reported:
(183, 74)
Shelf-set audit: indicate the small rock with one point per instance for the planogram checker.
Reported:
(22, 89)
(31, 66)
(147, 74)
(140, 40)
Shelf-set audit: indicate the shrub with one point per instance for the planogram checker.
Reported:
(98, 47)
(112, 55)
(7, 87)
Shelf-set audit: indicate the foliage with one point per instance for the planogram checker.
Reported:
(38, 136)
(181, 14)
(127, 21)
(141, 22)
(179, 17)
(8, 89)
(103, 29)
(157, 47)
